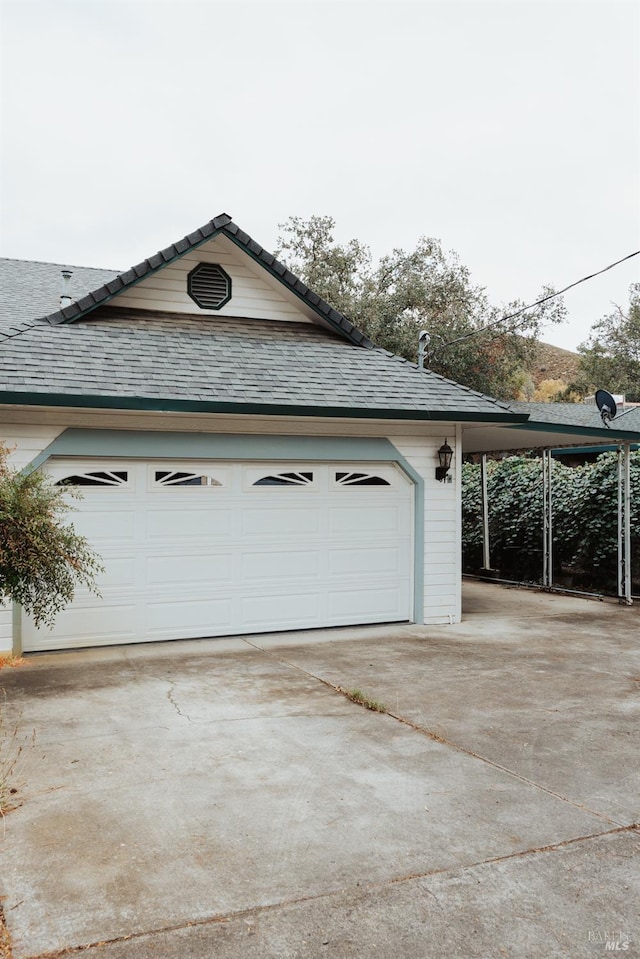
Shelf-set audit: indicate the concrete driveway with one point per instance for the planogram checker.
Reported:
(223, 798)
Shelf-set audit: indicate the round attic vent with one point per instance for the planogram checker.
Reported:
(209, 286)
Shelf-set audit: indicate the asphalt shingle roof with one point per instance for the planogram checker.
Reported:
(30, 290)
(576, 414)
(178, 357)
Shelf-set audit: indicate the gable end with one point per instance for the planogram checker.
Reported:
(223, 225)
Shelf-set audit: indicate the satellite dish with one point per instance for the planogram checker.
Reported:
(607, 406)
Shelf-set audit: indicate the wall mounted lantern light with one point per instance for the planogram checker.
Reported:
(445, 454)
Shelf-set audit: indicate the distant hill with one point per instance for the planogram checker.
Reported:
(554, 363)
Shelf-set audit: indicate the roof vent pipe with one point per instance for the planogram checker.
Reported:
(423, 342)
(65, 296)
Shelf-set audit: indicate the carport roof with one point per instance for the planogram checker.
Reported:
(551, 425)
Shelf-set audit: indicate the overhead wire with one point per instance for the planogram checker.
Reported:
(531, 306)
(458, 339)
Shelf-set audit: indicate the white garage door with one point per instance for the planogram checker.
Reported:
(193, 549)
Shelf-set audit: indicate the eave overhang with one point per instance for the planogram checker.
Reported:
(516, 437)
(172, 405)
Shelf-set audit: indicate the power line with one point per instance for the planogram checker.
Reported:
(459, 339)
(531, 306)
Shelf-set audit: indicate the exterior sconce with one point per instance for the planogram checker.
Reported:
(445, 454)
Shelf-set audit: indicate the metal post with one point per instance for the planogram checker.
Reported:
(486, 553)
(624, 524)
(547, 519)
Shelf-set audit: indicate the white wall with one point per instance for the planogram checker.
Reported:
(254, 293)
(29, 432)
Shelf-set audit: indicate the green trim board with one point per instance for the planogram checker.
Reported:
(138, 444)
(538, 426)
(93, 401)
(572, 450)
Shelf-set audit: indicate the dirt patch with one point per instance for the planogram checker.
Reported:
(11, 662)
(5, 942)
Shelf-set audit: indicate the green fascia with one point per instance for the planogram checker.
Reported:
(138, 444)
(92, 401)
(538, 427)
(572, 450)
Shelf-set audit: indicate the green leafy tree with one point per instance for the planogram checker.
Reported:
(42, 559)
(610, 359)
(425, 289)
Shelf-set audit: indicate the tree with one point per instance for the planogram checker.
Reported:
(610, 359)
(550, 391)
(426, 289)
(42, 560)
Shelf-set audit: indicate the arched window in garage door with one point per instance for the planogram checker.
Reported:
(180, 478)
(360, 479)
(285, 479)
(96, 478)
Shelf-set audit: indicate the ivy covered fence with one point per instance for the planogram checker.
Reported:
(585, 517)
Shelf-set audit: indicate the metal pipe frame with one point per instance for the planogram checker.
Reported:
(547, 518)
(624, 525)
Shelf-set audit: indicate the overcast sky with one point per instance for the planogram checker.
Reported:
(510, 130)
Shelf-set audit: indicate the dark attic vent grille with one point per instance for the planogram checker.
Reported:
(209, 286)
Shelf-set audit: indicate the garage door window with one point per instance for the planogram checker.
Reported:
(360, 479)
(177, 478)
(285, 479)
(97, 478)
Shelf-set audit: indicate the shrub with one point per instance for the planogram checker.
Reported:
(42, 560)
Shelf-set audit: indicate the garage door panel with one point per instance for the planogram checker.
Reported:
(119, 573)
(84, 624)
(367, 521)
(282, 612)
(366, 562)
(176, 522)
(121, 524)
(280, 565)
(174, 570)
(205, 616)
(281, 521)
(380, 603)
(191, 561)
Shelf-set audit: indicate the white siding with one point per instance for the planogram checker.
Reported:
(25, 442)
(32, 431)
(442, 576)
(5, 629)
(255, 293)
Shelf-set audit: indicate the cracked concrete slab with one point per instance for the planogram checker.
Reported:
(197, 799)
(567, 901)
